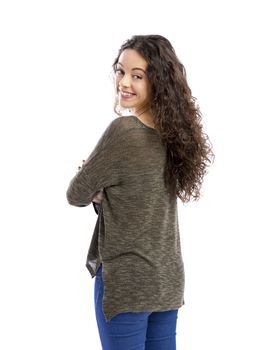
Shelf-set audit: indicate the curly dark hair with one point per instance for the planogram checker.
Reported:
(176, 116)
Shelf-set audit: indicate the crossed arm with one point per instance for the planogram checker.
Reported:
(99, 195)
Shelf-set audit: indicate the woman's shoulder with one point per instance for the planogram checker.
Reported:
(128, 131)
(124, 122)
(120, 126)
(131, 122)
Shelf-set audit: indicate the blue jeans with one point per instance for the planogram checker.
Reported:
(134, 330)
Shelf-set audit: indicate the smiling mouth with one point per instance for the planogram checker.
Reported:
(125, 92)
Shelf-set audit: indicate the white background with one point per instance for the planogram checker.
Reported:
(56, 100)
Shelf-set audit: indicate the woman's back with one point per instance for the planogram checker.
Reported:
(136, 237)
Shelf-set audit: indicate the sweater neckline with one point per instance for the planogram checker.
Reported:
(141, 123)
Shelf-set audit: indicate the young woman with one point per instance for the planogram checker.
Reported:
(145, 160)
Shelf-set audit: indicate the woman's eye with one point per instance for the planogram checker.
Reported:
(120, 71)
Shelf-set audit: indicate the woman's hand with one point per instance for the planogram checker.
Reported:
(98, 197)
(79, 167)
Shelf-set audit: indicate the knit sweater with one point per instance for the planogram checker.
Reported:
(136, 235)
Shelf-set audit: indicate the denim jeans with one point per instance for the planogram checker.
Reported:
(134, 330)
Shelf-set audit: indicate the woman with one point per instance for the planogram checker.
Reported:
(142, 163)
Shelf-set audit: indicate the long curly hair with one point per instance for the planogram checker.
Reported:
(177, 118)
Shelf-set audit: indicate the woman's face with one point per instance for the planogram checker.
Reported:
(131, 82)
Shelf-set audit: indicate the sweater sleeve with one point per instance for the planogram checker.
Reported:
(100, 170)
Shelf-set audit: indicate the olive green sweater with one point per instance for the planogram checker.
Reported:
(136, 236)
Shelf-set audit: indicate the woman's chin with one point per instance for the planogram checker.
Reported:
(126, 104)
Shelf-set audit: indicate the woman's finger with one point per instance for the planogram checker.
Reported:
(83, 161)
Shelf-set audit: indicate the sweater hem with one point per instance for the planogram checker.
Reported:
(110, 314)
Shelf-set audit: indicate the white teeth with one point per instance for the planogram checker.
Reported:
(126, 94)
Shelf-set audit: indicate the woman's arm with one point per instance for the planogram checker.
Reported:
(100, 169)
(99, 195)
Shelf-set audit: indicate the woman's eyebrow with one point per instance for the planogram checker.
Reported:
(136, 68)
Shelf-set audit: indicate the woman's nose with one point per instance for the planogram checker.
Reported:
(125, 81)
